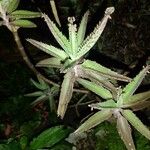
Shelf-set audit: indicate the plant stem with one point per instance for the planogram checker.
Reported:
(27, 60)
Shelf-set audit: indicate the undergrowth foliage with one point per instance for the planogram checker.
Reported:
(70, 59)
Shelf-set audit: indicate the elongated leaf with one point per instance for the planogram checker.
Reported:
(133, 85)
(100, 80)
(60, 38)
(50, 62)
(54, 10)
(13, 4)
(139, 105)
(82, 28)
(49, 49)
(38, 85)
(124, 131)
(102, 105)
(94, 120)
(136, 123)
(66, 93)
(138, 98)
(23, 23)
(37, 93)
(104, 71)
(73, 36)
(40, 99)
(89, 42)
(49, 137)
(24, 14)
(5, 4)
(99, 90)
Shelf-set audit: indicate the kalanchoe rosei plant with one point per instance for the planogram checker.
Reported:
(121, 108)
(44, 93)
(70, 58)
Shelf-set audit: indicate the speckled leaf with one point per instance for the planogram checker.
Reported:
(124, 131)
(90, 41)
(50, 62)
(66, 93)
(73, 36)
(49, 49)
(60, 38)
(94, 120)
(23, 23)
(133, 85)
(24, 14)
(106, 72)
(82, 28)
(136, 123)
(99, 90)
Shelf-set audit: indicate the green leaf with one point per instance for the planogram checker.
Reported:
(18, 14)
(136, 123)
(40, 99)
(100, 80)
(99, 90)
(94, 120)
(124, 131)
(49, 137)
(66, 93)
(138, 98)
(34, 94)
(82, 28)
(23, 23)
(106, 104)
(12, 5)
(49, 49)
(50, 62)
(104, 71)
(60, 38)
(134, 84)
(38, 85)
(73, 36)
(90, 41)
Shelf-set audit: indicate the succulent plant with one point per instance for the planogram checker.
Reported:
(121, 108)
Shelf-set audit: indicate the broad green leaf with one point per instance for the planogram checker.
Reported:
(124, 131)
(49, 137)
(50, 62)
(4, 4)
(24, 14)
(73, 36)
(23, 23)
(133, 85)
(99, 90)
(94, 120)
(82, 28)
(34, 94)
(66, 93)
(13, 4)
(40, 99)
(105, 72)
(138, 98)
(136, 123)
(90, 41)
(49, 49)
(60, 38)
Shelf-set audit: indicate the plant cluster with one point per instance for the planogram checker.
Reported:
(70, 59)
